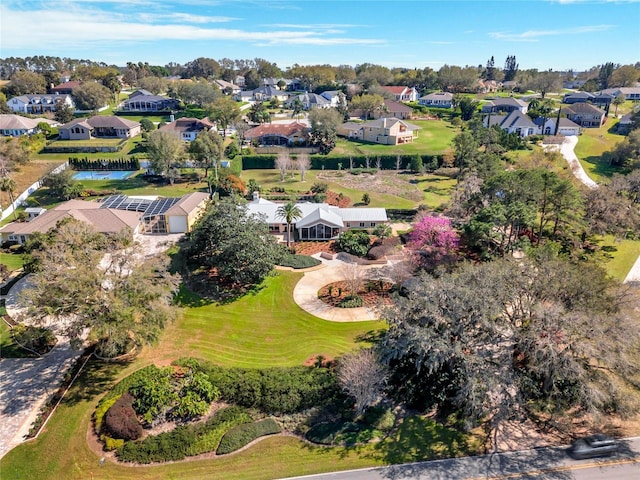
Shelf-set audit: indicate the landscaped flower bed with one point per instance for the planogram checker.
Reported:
(372, 293)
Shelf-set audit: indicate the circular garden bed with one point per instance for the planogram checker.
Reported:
(372, 293)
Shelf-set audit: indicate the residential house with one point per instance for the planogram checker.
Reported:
(514, 122)
(630, 93)
(309, 101)
(274, 83)
(239, 81)
(188, 128)
(16, 125)
(227, 87)
(334, 97)
(319, 221)
(602, 100)
(386, 131)
(117, 213)
(572, 84)
(263, 94)
(486, 86)
(35, 104)
(584, 114)
(577, 97)
(437, 100)
(547, 126)
(108, 221)
(99, 126)
(624, 124)
(279, 134)
(510, 85)
(65, 88)
(505, 105)
(394, 109)
(145, 101)
(402, 94)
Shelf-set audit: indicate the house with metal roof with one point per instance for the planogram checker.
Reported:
(319, 221)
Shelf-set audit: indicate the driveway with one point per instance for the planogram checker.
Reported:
(567, 150)
(305, 293)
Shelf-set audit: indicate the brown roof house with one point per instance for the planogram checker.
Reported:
(188, 128)
(99, 126)
(16, 125)
(394, 109)
(386, 131)
(279, 134)
(584, 114)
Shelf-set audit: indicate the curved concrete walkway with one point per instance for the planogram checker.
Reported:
(305, 293)
(567, 150)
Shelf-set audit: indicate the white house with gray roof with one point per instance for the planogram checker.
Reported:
(36, 104)
(515, 122)
(319, 221)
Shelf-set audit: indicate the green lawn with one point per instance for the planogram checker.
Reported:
(434, 138)
(11, 260)
(259, 330)
(131, 147)
(622, 253)
(137, 185)
(591, 145)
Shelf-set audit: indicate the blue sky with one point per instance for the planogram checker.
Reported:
(558, 34)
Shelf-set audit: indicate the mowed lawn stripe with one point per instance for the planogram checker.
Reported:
(261, 329)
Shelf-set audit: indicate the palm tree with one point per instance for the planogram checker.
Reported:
(8, 184)
(619, 100)
(289, 212)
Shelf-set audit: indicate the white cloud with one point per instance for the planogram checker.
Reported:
(33, 29)
(184, 17)
(534, 35)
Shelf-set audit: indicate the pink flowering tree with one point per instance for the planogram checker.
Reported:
(434, 242)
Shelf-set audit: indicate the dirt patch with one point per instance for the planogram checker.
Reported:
(373, 293)
(311, 248)
(318, 359)
(384, 182)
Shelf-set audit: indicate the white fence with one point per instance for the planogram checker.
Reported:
(24, 195)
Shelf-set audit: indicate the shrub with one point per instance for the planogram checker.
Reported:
(121, 420)
(355, 243)
(351, 301)
(101, 410)
(320, 187)
(38, 339)
(169, 446)
(299, 261)
(209, 434)
(242, 435)
(324, 433)
(111, 444)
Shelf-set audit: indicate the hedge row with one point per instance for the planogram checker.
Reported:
(299, 261)
(185, 440)
(242, 435)
(104, 163)
(271, 390)
(341, 162)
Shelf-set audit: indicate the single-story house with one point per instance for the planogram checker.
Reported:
(402, 94)
(309, 101)
(577, 97)
(393, 109)
(16, 125)
(319, 221)
(227, 87)
(116, 213)
(630, 93)
(108, 221)
(584, 114)
(279, 134)
(99, 126)
(505, 104)
(262, 94)
(35, 104)
(566, 126)
(386, 131)
(437, 99)
(514, 122)
(145, 101)
(188, 128)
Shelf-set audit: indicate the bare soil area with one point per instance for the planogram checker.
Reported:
(386, 182)
(372, 293)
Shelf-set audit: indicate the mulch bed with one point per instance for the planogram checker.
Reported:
(311, 248)
(373, 293)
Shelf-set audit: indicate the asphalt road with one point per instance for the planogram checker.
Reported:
(540, 463)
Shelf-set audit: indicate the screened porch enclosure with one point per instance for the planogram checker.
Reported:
(319, 231)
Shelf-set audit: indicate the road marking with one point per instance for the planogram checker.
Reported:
(557, 469)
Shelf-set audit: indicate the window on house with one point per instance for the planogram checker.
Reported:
(362, 224)
(372, 224)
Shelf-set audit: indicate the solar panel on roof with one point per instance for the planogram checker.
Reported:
(122, 202)
(158, 207)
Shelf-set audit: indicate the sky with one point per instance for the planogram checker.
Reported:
(542, 34)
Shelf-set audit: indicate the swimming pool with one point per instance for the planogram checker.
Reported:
(100, 175)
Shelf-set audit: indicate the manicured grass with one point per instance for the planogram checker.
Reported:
(131, 147)
(8, 348)
(434, 138)
(261, 329)
(437, 189)
(97, 142)
(591, 145)
(13, 261)
(622, 253)
(137, 185)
